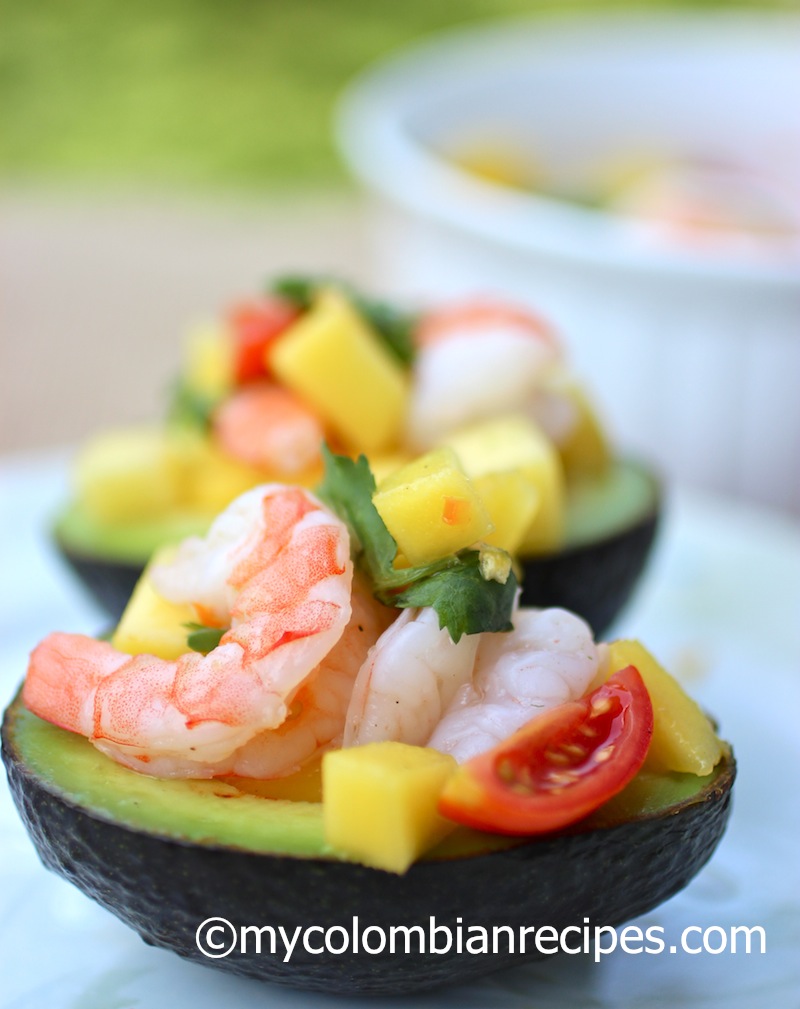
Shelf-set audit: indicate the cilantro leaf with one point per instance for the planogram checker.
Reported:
(466, 601)
(189, 408)
(202, 638)
(347, 488)
(299, 290)
(394, 326)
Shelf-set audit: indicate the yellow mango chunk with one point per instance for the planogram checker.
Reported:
(332, 359)
(210, 478)
(128, 474)
(208, 361)
(683, 737)
(431, 508)
(516, 443)
(219, 479)
(379, 802)
(585, 450)
(512, 501)
(150, 624)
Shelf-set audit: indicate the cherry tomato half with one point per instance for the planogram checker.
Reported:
(558, 768)
(254, 325)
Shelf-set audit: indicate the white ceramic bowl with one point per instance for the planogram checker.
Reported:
(694, 354)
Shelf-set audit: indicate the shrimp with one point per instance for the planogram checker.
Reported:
(316, 717)
(276, 565)
(408, 680)
(268, 426)
(549, 658)
(476, 361)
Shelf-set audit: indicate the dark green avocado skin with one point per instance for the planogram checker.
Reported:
(594, 580)
(164, 889)
(108, 582)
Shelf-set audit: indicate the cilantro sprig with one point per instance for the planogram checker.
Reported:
(456, 587)
(202, 638)
(395, 327)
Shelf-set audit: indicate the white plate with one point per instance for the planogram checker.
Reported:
(720, 605)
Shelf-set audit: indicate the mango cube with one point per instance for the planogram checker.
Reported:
(431, 509)
(379, 802)
(210, 478)
(128, 474)
(331, 358)
(208, 355)
(516, 443)
(683, 737)
(585, 450)
(512, 501)
(150, 624)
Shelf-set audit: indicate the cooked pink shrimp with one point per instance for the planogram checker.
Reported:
(549, 658)
(276, 565)
(475, 361)
(408, 681)
(317, 713)
(268, 426)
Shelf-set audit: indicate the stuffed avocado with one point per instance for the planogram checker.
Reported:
(166, 855)
(478, 758)
(314, 361)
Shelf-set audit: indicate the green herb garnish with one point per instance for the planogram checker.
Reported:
(394, 326)
(466, 601)
(299, 290)
(188, 408)
(202, 638)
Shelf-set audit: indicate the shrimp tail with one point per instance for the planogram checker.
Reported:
(64, 673)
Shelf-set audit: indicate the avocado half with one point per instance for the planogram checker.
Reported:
(611, 524)
(164, 856)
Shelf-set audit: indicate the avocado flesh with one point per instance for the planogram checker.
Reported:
(601, 506)
(165, 864)
(201, 811)
(191, 810)
(80, 532)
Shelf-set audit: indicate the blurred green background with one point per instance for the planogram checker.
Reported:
(205, 93)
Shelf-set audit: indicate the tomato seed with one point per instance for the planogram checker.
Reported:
(562, 777)
(574, 749)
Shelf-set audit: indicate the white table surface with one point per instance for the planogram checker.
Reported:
(720, 605)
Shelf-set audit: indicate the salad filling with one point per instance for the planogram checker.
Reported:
(298, 631)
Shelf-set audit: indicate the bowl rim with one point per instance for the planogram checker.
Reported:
(369, 130)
